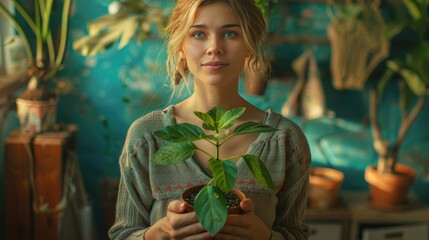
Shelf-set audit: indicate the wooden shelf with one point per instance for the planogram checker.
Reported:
(354, 211)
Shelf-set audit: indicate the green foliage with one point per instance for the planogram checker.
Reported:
(224, 174)
(210, 205)
(45, 53)
(211, 209)
(134, 20)
(413, 69)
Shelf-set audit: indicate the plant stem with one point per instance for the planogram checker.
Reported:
(405, 126)
(232, 157)
(64, 28)
(25, 15)
(379, 144)
(39, 40)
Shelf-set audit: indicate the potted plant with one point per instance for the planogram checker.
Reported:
(325, 186)
(210, 204)
(126, 20)
(36, 107)
(390, 178)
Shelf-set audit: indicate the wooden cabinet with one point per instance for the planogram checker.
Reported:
(38, 169)
(354, 215)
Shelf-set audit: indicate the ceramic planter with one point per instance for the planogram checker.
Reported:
(389, 191)
(324, 187)
(36, 116)
(235, 210)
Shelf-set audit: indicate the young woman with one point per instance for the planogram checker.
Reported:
(210, 44)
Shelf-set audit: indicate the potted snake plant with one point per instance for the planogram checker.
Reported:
(211, 200)
(36, 107)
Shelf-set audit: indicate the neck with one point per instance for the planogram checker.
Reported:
(204, 98)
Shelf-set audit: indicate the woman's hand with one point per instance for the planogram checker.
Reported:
(244, 226)
(178, 224)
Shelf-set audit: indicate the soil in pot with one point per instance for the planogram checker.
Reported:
(233, 198)
(324, 187)
(389, 191)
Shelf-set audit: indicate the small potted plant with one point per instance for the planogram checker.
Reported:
(44, 58)
(389, 180)
(210, 203)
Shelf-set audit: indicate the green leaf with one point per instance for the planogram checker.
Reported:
(229, 117)
(210, 207)
(393, 29)
(395, 65)
(224, 174)
(413, 80)
(180, 132)
(414, 9)
(253, 127)
(172, 153)
(222, 134)
(208, 121)
(259, 170)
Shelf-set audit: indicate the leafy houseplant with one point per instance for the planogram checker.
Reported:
(44, 57)
(129, 19)
(36, 107)
(414, 87)
(210, 204)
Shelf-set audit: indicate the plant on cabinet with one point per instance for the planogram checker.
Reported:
(44, 56)
(210, 200)
(389, 180)
(325, 186)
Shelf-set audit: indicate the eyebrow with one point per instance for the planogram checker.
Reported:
(232, 25)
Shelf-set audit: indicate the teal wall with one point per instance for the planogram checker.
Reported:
(99, 85)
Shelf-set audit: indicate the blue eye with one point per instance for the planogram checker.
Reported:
(229, 34)
(198, 35)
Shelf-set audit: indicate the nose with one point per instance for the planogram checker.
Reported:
(215, 46)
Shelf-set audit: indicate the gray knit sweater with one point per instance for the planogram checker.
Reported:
(146, 188)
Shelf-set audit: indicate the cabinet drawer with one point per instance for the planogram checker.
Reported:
(323, 231)
(410, 232)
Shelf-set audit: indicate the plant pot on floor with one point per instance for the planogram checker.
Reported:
(36, 116)
(324, 187)
(233, 198)
(389, 191)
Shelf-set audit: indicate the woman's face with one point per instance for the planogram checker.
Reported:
(214, 47)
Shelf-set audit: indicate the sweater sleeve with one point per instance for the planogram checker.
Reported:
(134, 199)
(291, 209)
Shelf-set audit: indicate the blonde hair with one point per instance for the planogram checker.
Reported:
(253, 24)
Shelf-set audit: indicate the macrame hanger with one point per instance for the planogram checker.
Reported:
(358, 45)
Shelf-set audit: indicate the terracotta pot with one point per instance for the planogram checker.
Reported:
(389, 191)
(235, 210)
(324, 187)
(36, 116)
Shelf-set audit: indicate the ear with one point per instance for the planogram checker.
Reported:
(182, 55)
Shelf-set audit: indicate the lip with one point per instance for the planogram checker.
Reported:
(215, 65)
